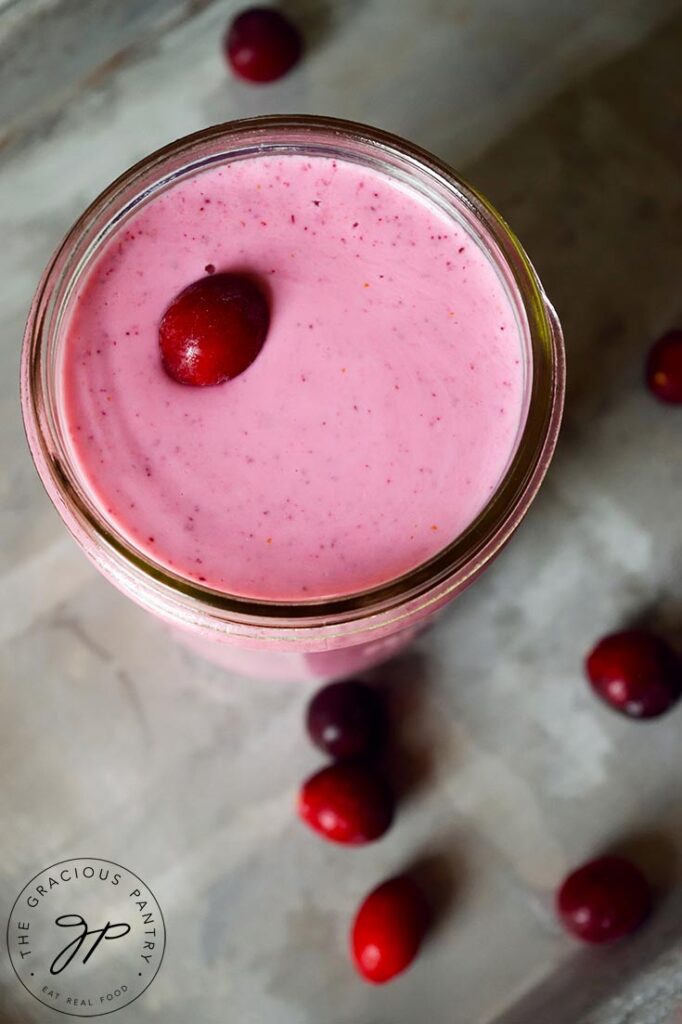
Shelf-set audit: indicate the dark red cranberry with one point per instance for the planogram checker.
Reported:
(604, 900)
(636, 673)
(345, 719)
(262, 44)
(388, 930)
(664, 368)
(213, 329)
(347, 802)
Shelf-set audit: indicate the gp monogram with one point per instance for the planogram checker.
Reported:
(86, 937)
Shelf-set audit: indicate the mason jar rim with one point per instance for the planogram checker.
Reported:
(172, 594)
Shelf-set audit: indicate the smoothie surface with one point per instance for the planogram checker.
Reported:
(375, 424)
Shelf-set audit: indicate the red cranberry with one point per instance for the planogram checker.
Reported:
(604, 900)
(262, 44)
(636, 673)
(664, 368)
(345, 719)
(388, 930)
(347, 803)
(213, 329)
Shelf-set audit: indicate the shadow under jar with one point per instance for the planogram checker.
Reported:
(307, 518)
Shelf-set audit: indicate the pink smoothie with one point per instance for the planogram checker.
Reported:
(373, 427)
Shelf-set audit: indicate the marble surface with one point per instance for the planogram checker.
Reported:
(118, 744)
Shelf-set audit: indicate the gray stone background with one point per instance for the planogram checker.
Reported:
(116, 744)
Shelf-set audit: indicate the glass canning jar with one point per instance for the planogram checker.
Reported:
(314, 638)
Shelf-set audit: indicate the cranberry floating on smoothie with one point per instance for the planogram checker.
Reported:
(213, 330)
(357, 441)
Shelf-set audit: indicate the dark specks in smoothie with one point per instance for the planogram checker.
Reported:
(268, 554)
